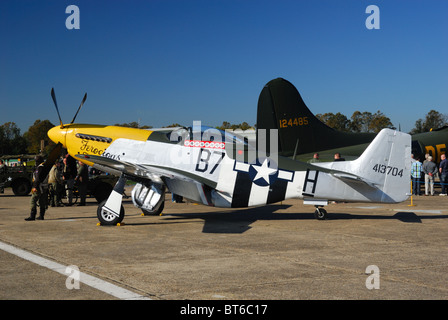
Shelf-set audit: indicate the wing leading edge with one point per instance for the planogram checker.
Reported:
(143, 171)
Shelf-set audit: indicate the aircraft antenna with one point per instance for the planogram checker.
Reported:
(295, 149)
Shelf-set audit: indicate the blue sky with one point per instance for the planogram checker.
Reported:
(165, 61)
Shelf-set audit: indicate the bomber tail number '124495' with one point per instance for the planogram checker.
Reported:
(293, 122)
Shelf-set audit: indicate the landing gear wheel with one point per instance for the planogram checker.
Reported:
(320, 214)
(21, 187)
(154, 212)
(108, 218)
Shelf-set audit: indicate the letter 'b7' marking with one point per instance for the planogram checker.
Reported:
(213, 158)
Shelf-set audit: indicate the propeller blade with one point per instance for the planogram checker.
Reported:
(54, 155)
(56, 105)
(80, 106)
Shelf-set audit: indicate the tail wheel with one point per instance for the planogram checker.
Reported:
(108, 218)
(320, 214)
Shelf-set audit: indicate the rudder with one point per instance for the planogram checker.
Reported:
(281, 107)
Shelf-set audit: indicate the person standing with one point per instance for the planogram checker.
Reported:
(315, 158)
(68, 176)
(443, 170)
(39, 191)
(2, 169)
(337, 157)
(82, 180)
(429, 169)
(55, 185)
(416, 171)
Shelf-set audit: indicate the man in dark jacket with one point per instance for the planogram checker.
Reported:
(443, 170)
(39, 191)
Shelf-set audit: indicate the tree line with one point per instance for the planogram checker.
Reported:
(225, 125)
(373, 123)
(12, 142)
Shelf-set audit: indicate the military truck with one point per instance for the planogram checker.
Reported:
(16, 171)
(18, 178)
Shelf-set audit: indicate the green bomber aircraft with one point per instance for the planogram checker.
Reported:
(301, 133)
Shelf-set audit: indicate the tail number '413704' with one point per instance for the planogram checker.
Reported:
(389, 170)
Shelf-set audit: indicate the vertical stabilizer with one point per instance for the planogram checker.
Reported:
(385, 166)
(387, 163)
(281, 107)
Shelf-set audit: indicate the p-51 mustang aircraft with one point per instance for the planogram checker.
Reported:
(216, 168)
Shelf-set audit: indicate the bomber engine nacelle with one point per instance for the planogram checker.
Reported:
(149, 198)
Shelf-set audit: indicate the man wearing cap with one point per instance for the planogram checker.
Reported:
(39, 191)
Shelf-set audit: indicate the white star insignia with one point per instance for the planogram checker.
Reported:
(263, 171)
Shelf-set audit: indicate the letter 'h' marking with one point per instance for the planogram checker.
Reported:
(311, 180)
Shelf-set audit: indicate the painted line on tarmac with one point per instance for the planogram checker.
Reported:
(89, 280)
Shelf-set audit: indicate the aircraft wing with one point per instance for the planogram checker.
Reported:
(118, 167)
(145, 171)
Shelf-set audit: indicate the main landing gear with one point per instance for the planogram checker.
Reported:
(149, 197)
(110, 211)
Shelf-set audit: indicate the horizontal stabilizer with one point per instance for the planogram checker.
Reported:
(385, 166)
(354, 179)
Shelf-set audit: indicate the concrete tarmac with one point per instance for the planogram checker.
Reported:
(192, 251)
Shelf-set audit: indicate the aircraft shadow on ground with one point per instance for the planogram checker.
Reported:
(409, 217)
(239, 221)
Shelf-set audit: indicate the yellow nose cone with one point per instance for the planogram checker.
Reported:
(57, 134)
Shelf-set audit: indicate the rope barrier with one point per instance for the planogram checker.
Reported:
(422, 183)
